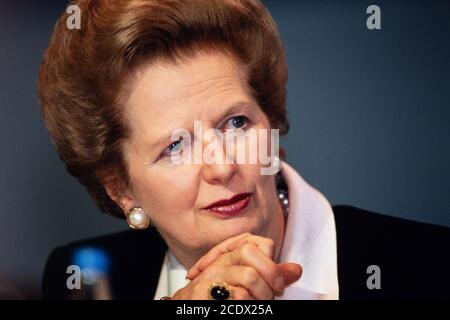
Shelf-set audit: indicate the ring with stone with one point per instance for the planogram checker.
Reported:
(220, 291)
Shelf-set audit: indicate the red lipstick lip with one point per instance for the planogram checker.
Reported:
(227, 202)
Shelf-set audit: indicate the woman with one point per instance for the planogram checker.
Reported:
(114, 92)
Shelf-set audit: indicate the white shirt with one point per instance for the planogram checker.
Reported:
(310, 240)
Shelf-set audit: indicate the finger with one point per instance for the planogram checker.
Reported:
(291, 272)
(266, 245)
(250, 255)
(251, 280)
(212, 255)
(239, 293)
(201, 286)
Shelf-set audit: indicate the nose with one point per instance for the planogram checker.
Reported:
(219, 171)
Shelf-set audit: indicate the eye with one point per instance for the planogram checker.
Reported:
(174, 147)
(237, 122)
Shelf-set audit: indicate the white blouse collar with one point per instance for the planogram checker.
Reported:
(310, 240)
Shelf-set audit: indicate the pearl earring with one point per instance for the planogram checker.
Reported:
(138, 219)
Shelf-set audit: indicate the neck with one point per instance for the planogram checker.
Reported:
(187, 258)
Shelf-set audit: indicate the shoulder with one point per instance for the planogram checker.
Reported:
(413, 257)
(135, 257)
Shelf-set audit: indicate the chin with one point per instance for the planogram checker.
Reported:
(234, 227)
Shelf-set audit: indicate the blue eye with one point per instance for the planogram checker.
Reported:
(237, 122)
(174, 147)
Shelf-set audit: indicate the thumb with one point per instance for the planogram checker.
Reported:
(291, 272)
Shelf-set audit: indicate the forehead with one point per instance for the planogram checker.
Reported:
(164, 84)
(166, 94)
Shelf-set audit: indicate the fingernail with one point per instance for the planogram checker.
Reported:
(279, 283)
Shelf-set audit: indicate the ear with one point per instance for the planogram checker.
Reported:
(116, 189)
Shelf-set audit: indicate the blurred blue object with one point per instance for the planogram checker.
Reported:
(93, 259)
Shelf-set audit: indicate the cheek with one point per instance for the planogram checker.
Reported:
(264, 184)
(266, 187)
(166, 192)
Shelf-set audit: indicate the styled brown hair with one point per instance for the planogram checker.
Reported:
(83, 73)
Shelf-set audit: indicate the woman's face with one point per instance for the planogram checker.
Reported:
(165, 96)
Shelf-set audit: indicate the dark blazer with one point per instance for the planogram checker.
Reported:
(414, 259)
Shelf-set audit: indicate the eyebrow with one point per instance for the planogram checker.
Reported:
(232, 109)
